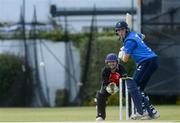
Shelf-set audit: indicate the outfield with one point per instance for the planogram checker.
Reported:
(168, 113)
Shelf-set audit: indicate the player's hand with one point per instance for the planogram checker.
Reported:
(121, 54)
(143, 36)
(122, 48)
(112, 88)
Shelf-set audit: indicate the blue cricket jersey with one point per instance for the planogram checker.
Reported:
(135, 46)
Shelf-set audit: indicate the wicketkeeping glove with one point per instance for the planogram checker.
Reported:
(112, 88)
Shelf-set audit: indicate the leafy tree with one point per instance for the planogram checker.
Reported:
(14, 90)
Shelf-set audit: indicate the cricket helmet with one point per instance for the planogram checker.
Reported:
(111, 57)
(121, 25)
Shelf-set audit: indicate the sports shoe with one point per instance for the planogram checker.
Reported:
(156, 114)
(146, 116)
(99, 119)
(138, 116)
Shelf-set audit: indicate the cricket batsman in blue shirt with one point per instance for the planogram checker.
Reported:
(147, 63)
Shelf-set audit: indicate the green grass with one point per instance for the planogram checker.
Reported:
(168, 113)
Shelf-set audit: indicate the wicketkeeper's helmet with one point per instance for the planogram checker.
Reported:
(111, 57)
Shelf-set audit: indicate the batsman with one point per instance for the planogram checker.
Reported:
(111, 74)
(147, 63)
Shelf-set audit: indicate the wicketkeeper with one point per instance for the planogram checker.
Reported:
(111, 74)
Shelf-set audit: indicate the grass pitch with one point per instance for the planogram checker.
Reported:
(168, 113)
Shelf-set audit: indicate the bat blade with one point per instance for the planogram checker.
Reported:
(129, 20)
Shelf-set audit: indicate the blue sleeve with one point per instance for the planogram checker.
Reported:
(129, 46)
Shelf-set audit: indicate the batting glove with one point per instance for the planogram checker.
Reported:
(122, 48)
(121, 54)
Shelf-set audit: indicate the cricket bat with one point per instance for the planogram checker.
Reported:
(129, 20)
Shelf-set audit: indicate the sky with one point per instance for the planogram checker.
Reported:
(10, 9)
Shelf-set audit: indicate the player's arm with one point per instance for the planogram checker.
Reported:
(129, 46)
(105, 76)
(111, 88)
(123, 71)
